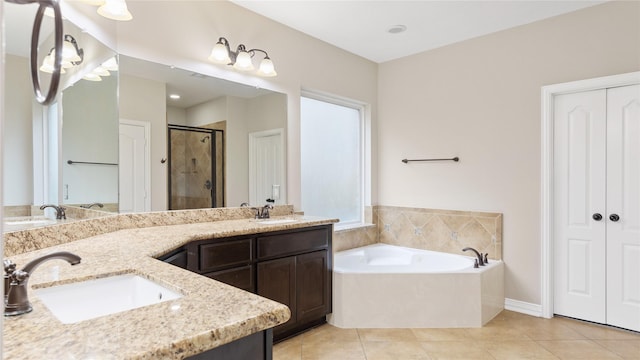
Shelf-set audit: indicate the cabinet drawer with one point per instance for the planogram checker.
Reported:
(239, 277)
(226, 254)
(292, 243)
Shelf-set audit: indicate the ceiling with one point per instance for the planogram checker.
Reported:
(361, 27)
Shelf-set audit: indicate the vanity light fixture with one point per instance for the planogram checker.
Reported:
(103, 70)
(111, 64)
(92, 77)
(72, 55)
(241, 59)
(111, 9)
(115, 10)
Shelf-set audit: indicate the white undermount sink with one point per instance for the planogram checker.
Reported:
(276, 221)
(28, 221)
(72, 303)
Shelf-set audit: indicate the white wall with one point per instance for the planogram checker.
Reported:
(480, 100)
(90, 134)
(267, 112)
(145, 100)
(17, 141)
(176, 116)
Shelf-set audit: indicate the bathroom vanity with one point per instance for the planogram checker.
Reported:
(292, 267)
(212, 320)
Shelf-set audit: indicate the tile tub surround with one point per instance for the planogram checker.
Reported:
(440, 230)
(19, 242)
(209, 315)
(409, 297)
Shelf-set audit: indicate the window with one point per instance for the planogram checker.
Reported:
(332, 156)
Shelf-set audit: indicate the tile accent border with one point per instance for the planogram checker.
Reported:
(428, 229)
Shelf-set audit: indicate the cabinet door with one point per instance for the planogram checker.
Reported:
(277, 281)
(312, 286)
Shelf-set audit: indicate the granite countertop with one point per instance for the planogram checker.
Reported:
(209, 314)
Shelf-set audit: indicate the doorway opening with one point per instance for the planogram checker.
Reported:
(196, 167)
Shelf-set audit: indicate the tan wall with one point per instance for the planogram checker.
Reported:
(480, 100)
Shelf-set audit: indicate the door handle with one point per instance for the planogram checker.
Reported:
(597, 217)
(614, 217)
(208, 184)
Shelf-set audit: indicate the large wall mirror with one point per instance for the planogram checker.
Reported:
(70, 153)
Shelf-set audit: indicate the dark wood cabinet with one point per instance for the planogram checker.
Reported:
(258, 346)
(313, 286)
(292, 267)
(277, 281)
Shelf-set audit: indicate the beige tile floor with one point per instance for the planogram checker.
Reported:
(509, 336)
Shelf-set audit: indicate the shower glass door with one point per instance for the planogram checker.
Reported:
(195, 171)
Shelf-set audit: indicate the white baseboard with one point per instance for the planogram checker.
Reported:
(523, 307)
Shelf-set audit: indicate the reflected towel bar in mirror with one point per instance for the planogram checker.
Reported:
(71, 162)
(456, 159)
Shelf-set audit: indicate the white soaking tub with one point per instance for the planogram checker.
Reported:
(386, 286)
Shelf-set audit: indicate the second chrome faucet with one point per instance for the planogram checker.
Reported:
(60, 214)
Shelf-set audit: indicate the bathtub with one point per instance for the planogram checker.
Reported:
(386, 286)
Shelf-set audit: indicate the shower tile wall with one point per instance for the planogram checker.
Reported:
(440, 230)
(190, 169)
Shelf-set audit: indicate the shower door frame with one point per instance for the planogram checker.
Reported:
(213, 145)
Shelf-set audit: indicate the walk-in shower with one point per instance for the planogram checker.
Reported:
(196, 167)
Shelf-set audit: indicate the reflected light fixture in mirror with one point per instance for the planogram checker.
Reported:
(103, 70)
(72, 55)
(111, 9)
(241, 59)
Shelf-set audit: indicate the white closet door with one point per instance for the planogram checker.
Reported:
(623, 200)
(579, 187)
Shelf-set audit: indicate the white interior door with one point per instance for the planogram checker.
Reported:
(623, 204)
(134, 167)
(579, 187)
(266, 167)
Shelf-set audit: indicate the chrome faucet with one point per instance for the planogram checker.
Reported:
(89, 206)
(17, 302)
(9, 268)
(263, 212)
(60, 214)
(479, 260)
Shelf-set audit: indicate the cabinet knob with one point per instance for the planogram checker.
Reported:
(614, 217)
(597, 217)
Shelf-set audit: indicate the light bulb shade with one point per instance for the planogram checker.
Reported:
(243, 61)
(220, 54)
(111, 64)
(100, 71)
(48, 60)
(70, 53)
(266, 68)
(92, 77)
(115, 10)
(47, 65)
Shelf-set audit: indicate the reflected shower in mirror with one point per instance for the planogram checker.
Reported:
(196, 167)
(81, 131)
